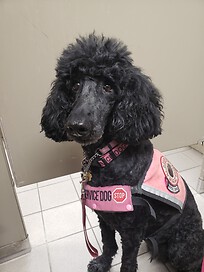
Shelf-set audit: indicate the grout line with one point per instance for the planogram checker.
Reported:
(31, 214)
(53, 182)
(75, 179)
(61, 205)
(66, 236)
(26, 190)
(194, 160)
(143, 253)
(49, 259)
(42, 218)
(190, 168)
(176, 151)
(96, 238)
(50, 208)
(46, 244)
(75, 188)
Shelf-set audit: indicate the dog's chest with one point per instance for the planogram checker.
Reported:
(161, 182)
(118, 221)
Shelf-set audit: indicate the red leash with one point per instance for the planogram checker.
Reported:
(106, 154)
(92, 250)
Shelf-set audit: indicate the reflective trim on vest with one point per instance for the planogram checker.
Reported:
(163, 182)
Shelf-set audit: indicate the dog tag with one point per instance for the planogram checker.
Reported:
(87, 176)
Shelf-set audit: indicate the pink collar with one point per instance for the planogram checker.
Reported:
(111, 152)
(105, 155)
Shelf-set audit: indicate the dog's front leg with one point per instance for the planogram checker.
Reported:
(131, 240)
(103, 262)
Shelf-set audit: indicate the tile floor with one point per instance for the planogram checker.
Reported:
(52, 215)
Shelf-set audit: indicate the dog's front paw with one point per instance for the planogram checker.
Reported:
(128, 268)
(100, 264)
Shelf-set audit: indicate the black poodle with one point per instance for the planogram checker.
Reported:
(102, 101)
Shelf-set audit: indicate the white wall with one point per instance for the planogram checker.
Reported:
(167, 41)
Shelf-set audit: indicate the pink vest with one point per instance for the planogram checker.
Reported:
(162, 182)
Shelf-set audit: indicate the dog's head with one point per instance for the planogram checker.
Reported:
(98, 90)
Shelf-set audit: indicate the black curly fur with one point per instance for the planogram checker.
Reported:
(99, 95)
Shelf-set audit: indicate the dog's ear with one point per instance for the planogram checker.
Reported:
(138, 113)
(55, 112)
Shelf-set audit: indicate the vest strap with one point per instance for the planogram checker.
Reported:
(139, 201)
(156, 238)
(152, 245)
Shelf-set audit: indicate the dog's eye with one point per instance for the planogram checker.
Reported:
(107, 88)
(75, 87)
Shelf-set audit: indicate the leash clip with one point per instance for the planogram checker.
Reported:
(87, 176)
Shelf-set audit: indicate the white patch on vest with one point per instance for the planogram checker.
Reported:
(171, 174)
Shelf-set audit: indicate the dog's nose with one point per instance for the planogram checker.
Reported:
(78, 129)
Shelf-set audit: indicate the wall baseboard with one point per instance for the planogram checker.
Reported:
(14, 250)
(198, 147)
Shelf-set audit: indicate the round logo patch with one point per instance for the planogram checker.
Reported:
(171, 174)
